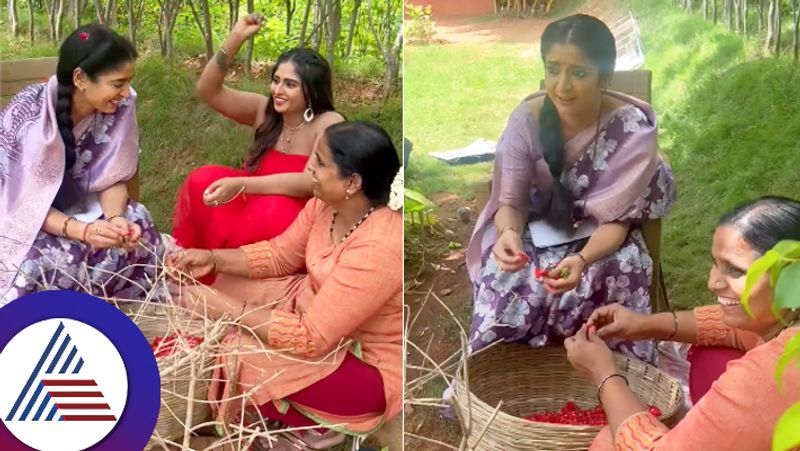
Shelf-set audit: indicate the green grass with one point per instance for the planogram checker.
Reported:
(456, 94)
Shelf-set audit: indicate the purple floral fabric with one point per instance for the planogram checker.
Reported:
(515, 307)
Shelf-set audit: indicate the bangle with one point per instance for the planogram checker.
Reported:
(508, 227)
(64, 227)
(213, 260)
(603, 382)
(674, 326)
(222, 49)
(85, 230)
(109, 218)
(580, 255)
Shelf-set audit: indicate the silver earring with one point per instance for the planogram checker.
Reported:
(308, 114)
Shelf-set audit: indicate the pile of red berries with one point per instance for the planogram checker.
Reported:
(573, 415)
(166, 346)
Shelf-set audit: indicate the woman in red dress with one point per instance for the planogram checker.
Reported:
(223, 207)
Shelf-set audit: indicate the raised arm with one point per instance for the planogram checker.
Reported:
(243, 107)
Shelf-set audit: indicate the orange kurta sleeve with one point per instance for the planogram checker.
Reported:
(286, 253)
(740, 410)
(711, 331)
(365, 278)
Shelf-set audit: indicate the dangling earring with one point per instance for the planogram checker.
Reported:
(308, 114)
(347, 195)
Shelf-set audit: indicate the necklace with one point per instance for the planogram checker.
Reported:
(355, 226)
(287, 134)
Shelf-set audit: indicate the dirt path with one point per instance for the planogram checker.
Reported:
(512, 29)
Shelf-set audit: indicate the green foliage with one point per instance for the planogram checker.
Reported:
(783, 263)
(418, 25)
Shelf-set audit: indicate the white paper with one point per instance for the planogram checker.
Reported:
(545, 235)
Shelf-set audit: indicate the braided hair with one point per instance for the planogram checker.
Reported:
(94, 49)
(595, 40)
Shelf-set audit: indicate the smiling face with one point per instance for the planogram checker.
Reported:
(108, 88)
(287, 90)
(732, 256)
(328, 184)
(571, 81)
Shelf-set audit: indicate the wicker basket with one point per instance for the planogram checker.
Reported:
(529, 380)
(176, 377)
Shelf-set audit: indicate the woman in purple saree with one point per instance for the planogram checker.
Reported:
(576, 170)
(67, 147)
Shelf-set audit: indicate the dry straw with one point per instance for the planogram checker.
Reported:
(186, 373)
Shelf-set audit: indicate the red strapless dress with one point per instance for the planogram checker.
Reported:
(245, 220)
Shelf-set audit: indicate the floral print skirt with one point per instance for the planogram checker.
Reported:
(58, 263)
(516, 307)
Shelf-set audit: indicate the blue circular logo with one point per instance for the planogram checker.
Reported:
(77, 374)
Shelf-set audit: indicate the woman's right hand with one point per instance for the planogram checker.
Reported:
(616, 321)
(508, 251)
(195, 262)
(102, 234)
(248, 25)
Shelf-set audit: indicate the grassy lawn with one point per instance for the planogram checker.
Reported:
(455, 94)
(729, 122)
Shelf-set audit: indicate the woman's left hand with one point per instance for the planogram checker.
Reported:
(589, 354)
(565, 276)
(223, 191)
(129, 231)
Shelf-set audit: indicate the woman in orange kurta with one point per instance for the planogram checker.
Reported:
(743, 405)
(320, 300)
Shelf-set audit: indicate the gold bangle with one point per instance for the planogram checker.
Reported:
(508, 227)
(674, 326)
(603, 382)
(241, 190)
(64, 227)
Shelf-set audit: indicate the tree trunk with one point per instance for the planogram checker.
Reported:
(745, 12)
(704, 5)
(111, 14)
(796, 29)
(30, 21)
(50, 8)
(777, 29)
(737, 20)
(12, 17)
(392, 67)
(204, 24)
(131, 21)
(304, 28)
(248, 57)
(98, 9)
(76, 13)
(291, 6)
(352, 29)
(319, 18)
(770, 27)
(760, 11)
(59, 15)
(334, 28)
(714, 10)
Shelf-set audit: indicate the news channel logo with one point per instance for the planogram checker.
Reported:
(77, 374)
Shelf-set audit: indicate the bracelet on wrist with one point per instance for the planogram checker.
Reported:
(64, 227)
(674, 326)
(508, 227)
(603, 383)
(85, 231)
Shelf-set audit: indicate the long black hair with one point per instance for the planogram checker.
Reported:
(367, 150)
(316, 80)
(765, 221)
(94, 49)
(595, 40)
